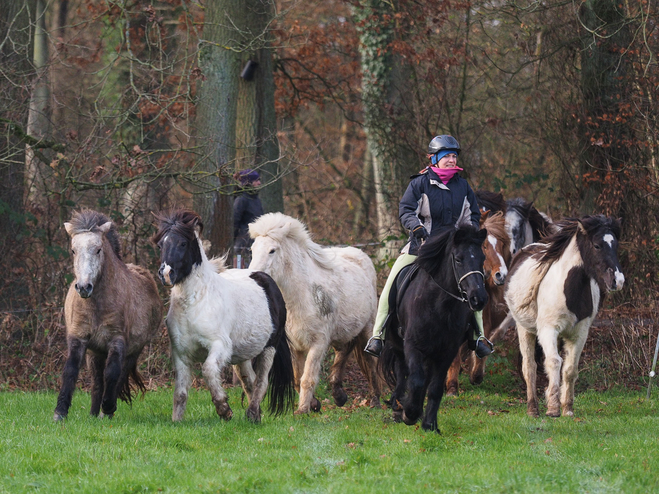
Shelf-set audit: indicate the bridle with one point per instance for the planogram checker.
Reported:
(463, 294)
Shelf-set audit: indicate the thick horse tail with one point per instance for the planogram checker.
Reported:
(281, 390)
(126, 390)
(281, 381)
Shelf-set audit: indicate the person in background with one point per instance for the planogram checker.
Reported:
(432, 202)
(246, 208)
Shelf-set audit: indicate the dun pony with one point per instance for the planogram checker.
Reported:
(112, 309)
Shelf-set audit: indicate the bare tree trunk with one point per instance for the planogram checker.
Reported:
(38, 124)
(220, 63)
(256, 127)
(379, 89)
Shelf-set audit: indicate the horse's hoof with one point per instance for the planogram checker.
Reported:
(476, 380)
(224, 411)
(315, 404)
(568, 413)
(553, 413)
(375, 402)
(397, 416)
(533, 412)
(340, 397)
(452, 392)
(58, 417)
(108, 416)
(254, 416)
(407, 420)
(430, 427)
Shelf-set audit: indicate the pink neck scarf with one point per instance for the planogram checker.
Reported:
(445, 174)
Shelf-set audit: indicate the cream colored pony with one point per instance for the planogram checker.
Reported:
(331, 300)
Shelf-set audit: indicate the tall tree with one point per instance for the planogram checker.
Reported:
(38, 123)
(234, 34)
(381, 90)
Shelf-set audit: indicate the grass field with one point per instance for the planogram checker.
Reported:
(487, 444)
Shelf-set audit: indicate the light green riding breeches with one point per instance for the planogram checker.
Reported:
(383, 304)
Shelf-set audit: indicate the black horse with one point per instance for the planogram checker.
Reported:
(431, 321)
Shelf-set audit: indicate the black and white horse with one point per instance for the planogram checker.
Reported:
(554, 290)
(222, 316)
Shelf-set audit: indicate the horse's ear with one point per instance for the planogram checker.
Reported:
(582, 229)
(69, 228)
(485, 215)
(105, 227)
(482, 234)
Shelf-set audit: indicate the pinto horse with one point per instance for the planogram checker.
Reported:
(331, 298)
(431, 320)
(221, 316)
(497, 259)
(554, 290)
(112, 309)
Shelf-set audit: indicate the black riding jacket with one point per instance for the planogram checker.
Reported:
(246, 208)
(428, 202)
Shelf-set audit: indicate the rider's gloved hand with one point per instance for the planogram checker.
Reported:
(420, 232)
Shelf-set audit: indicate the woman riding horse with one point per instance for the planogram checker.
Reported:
(432, 202)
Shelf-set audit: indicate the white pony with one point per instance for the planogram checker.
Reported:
(222, 316)
(331, 299)
(554, 290)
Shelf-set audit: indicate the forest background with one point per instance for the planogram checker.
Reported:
(132, 106)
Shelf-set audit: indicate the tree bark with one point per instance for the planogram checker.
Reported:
(381, 73)
(38, 124)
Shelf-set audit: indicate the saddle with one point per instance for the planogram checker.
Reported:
(402, 281)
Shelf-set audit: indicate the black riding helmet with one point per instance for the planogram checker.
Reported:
(443, 142)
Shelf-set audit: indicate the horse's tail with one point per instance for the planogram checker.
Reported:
(367, 363)
(388, 362)
(126, 390)
(281, 389)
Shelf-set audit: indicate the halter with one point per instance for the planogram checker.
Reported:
(463, 294)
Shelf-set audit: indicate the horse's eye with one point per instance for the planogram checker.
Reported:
(98, 251)
(272, 251)
(73, 252)
(597, 247)
(184, 244)
(458, 261)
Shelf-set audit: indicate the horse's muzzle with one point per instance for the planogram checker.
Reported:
(84, 291)
(499, 278)
(614, 280)
(166, 274)
(477, 302)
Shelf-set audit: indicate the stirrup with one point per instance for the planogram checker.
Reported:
(374, 346)
(484, 347)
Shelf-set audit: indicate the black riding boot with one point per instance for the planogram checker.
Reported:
(374, 346)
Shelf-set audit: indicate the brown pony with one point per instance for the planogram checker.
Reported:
(112, 309)
(497, 259)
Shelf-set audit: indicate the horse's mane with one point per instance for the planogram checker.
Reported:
(89, 220)
(433, 252)
(285, 229)
(492, 201)
(568, 228)
(540, 224)
(496, 226)
(181, 221)
(520, 205)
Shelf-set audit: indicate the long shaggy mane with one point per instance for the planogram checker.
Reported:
(89, 220)
(180, 221)
(491, 201)
(286, 230)
(496, 226)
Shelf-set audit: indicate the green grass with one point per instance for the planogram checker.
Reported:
(488, 444)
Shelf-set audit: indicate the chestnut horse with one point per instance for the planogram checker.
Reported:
(497, 259)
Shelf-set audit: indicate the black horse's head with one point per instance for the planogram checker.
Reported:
(455, 258)
(598, 244)
(179, 245)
